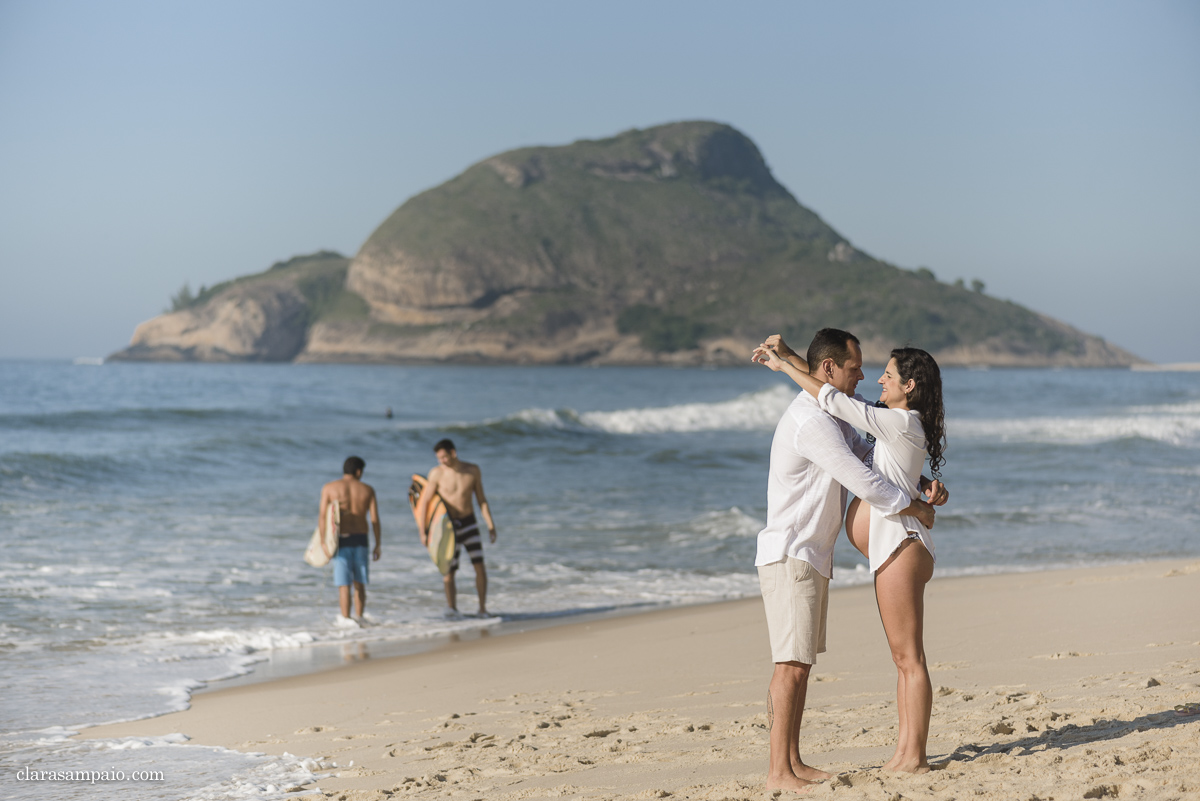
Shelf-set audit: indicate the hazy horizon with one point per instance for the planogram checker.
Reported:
(1048, 151)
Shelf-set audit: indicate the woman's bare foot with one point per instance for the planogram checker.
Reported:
(788, 782)
(808, 774)
(893, 762)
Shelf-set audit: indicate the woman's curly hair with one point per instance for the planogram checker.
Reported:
(926, 400)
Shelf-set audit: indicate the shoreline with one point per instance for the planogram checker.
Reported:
(320, 656)
(325, 655)
(1030, 670)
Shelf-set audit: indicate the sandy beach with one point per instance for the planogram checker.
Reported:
(1056, 684)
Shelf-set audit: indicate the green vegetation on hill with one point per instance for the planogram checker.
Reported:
(320, 277)
(661, 331)
(678, 233)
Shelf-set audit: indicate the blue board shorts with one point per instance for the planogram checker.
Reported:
(350, 565)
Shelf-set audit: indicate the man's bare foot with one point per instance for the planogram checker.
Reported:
(788, 782)
(806, 773)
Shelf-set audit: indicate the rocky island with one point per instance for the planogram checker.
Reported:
(673, 244)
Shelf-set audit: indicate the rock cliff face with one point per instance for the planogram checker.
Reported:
(260, 318)
(262, 323)
(669, 245)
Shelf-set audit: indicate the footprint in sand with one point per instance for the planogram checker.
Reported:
(856, 779)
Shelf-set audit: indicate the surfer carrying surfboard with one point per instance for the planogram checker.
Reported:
(355, 501)
(458, 483)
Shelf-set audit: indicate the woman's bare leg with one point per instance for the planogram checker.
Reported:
(902, 727)
(900, 592)
(858, 531)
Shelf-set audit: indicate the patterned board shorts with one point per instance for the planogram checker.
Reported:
(466, 535)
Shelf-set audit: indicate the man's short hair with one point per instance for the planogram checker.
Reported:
(444, 445)
(830, 343)
(352, 465)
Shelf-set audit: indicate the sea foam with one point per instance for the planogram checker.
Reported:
(1177, 424)
(755, 411)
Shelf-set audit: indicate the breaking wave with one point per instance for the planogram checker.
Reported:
(1173, 424)
(755, 411)
(1177, 424)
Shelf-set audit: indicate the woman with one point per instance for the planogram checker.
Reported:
(900, 549)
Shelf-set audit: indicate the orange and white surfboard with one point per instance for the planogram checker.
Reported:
(437, 523)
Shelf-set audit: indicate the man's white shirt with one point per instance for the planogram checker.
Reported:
(815, 459)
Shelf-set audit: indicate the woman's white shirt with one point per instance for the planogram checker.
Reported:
(899, 458)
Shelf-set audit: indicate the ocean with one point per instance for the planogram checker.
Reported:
(153, 518)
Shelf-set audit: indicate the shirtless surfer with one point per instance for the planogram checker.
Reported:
(457, 481)
(355, 500)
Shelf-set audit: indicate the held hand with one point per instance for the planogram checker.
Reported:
(925, 513)
(775, 342)
(765, 356)
(492, 534)
(937, 493)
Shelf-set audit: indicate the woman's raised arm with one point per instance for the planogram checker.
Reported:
(885, 424)
(881, 423)
(766, 355)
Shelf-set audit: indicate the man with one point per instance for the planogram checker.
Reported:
(458, 482)
(355, 500)
(815, 459)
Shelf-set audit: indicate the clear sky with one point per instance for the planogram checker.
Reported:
(1050, 149)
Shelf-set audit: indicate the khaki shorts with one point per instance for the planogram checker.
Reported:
(796, 597)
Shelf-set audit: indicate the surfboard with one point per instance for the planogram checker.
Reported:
(437, 523)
